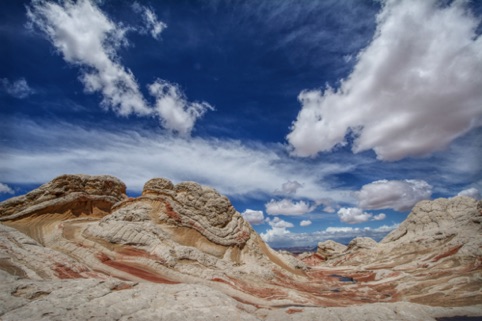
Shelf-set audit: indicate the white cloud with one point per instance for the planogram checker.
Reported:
(279, 229)
(278, 223)
(329, 209)
(177, 114)
(253, 217)
(379, 217)
(5, 189)
(470, 192)
(289, 188)
(414, 89)
(18, 89)
(86, 37)
(353, 215)
(305, 223)
(400, 195)
(288, 207)
(333, 229)
(236, 169)
(152, 24)
(339, 234)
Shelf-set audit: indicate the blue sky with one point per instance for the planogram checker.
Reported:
(318, 119)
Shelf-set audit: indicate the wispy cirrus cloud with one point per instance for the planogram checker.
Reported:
(304, 29)
(235, 168)
(18, 88)
(151, 22)
(86, 37)
(413, 90)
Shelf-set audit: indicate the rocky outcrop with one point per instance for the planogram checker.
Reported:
(78, 247)
(66, 197)
(24, 257)
(329, 249)
(361, 243)
(184, 233)
(433, 257)
(78, 194)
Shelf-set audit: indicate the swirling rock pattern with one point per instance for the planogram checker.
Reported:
(434, 257)
(84, 232)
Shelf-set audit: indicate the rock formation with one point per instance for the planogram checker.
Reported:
(186, 244)
(329, 249)
(433, 257)
(184, 233)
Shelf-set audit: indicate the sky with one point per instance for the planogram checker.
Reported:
(320, 119)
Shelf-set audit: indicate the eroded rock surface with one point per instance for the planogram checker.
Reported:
(184, 233)
(434, 257)
(186, 244)
(328, 249)
(73, 193)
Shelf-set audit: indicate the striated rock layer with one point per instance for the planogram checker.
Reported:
(83, 231)
(434, 257)
(184, 233)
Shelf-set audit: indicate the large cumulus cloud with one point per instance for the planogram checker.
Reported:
(413, 90)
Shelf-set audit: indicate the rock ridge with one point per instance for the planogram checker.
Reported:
(61, 192)
(187, 244)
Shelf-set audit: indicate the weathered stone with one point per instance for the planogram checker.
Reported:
(434, 257)
(75, 193)
(359, 243)
(183, 252)
(329, 249)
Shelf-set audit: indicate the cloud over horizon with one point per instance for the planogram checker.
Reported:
(400, 195)
(282, 237)
(5, 189)
(413, 90)
(470, 192)
(85, 37)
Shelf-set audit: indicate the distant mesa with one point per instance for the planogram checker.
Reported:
(85, 231)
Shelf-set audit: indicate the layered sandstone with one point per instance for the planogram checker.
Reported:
(186, 243)
(170, 234)
(433, 257)
(328, 249)
(114, 299)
